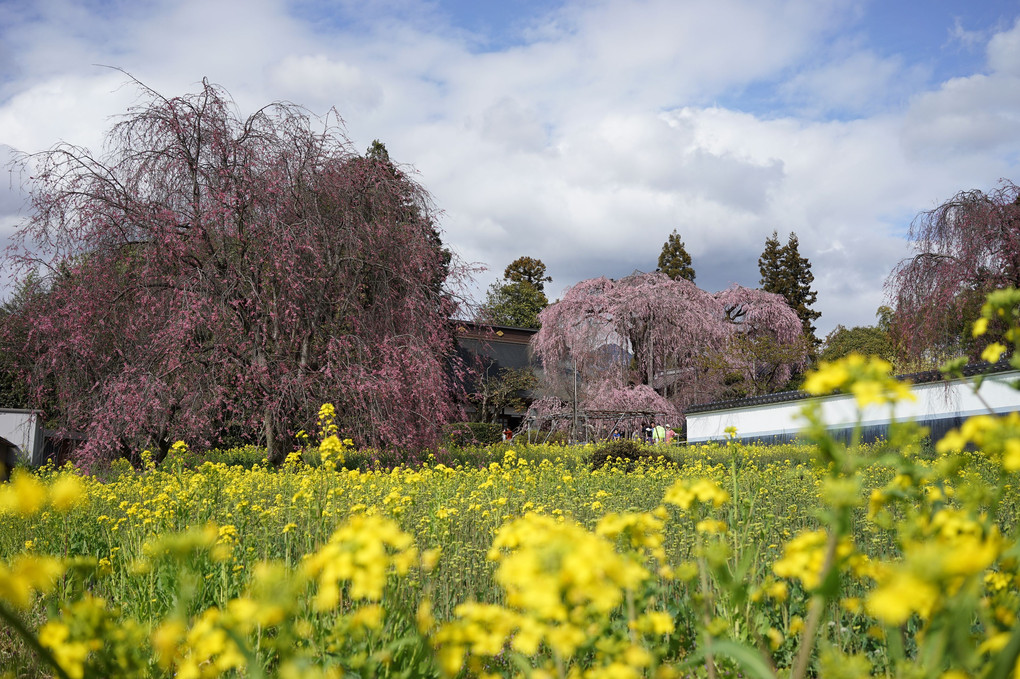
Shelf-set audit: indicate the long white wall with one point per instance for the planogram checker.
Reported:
(23, 429)
(935, 401)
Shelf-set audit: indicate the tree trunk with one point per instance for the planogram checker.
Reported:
(274, 445)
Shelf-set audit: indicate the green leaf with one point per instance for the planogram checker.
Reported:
(749, 659)
(954, 367)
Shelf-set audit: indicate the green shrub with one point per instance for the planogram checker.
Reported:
(628, 450)
(464, 434)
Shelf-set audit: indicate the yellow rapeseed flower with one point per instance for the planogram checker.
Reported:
(70, 655)
(804, 557)
(363, 552)
(24, 495)
(993, 352)
(66, 492)
(685, 493)
(869, 379)
(899, 595)
(26, 575)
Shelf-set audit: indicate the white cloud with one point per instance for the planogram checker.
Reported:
(1004, 51)
(592, 139)
(320, 82)
(860, 82)
(516, 127)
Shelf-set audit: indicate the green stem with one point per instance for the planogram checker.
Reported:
(11, 619)
(807, 639)
(706, 602)
(736, 509)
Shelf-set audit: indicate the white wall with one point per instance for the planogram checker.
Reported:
(935, 401)
(23, 429)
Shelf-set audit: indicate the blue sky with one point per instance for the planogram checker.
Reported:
(583, 133)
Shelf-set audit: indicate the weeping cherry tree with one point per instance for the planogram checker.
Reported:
(211, 273)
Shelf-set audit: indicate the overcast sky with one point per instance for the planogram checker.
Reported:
(583, 133)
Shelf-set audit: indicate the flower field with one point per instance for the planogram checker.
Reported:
(823, 559)
(535, 564)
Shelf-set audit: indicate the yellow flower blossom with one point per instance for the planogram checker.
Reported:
(993, 352)
(804, 557)
(869, 379)
(70, 655)
(24, 495)
(27, 575)
(685, 493)
(66, 492)
(363, 552)
(899, 595)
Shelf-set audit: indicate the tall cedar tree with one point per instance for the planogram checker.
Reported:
(213, 272)
(528, 270)
(513, 303)
(966, 247)
(786, 273)
(674, 261)
(517, 299)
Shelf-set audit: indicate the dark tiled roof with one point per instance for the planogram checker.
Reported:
(493, 333)
(970, 370)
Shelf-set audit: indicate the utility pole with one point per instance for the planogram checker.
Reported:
(574, 433)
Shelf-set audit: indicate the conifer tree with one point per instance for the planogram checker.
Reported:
(674, 261)
(517, 299)
(527, 270)
(770, 264)
(513, 303)
(785, 272)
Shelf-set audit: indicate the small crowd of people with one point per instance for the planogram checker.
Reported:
(650, 433)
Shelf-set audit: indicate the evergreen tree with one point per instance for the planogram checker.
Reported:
(674, 261)
(801, 296)
(785, 272)
(513, 303)
(527, 270)
(770, 264)
(517, 299)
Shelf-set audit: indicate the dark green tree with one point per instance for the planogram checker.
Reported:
(377, 151)
(378, 154)
(785, 272)
(867, 340)
(527, 270)
(516, 300)
(14, 389)
(513, 303)
(674, 261)
(770, 265)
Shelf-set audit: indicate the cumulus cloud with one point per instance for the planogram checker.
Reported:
(585, 138)
(326, 82)
(856, 84)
